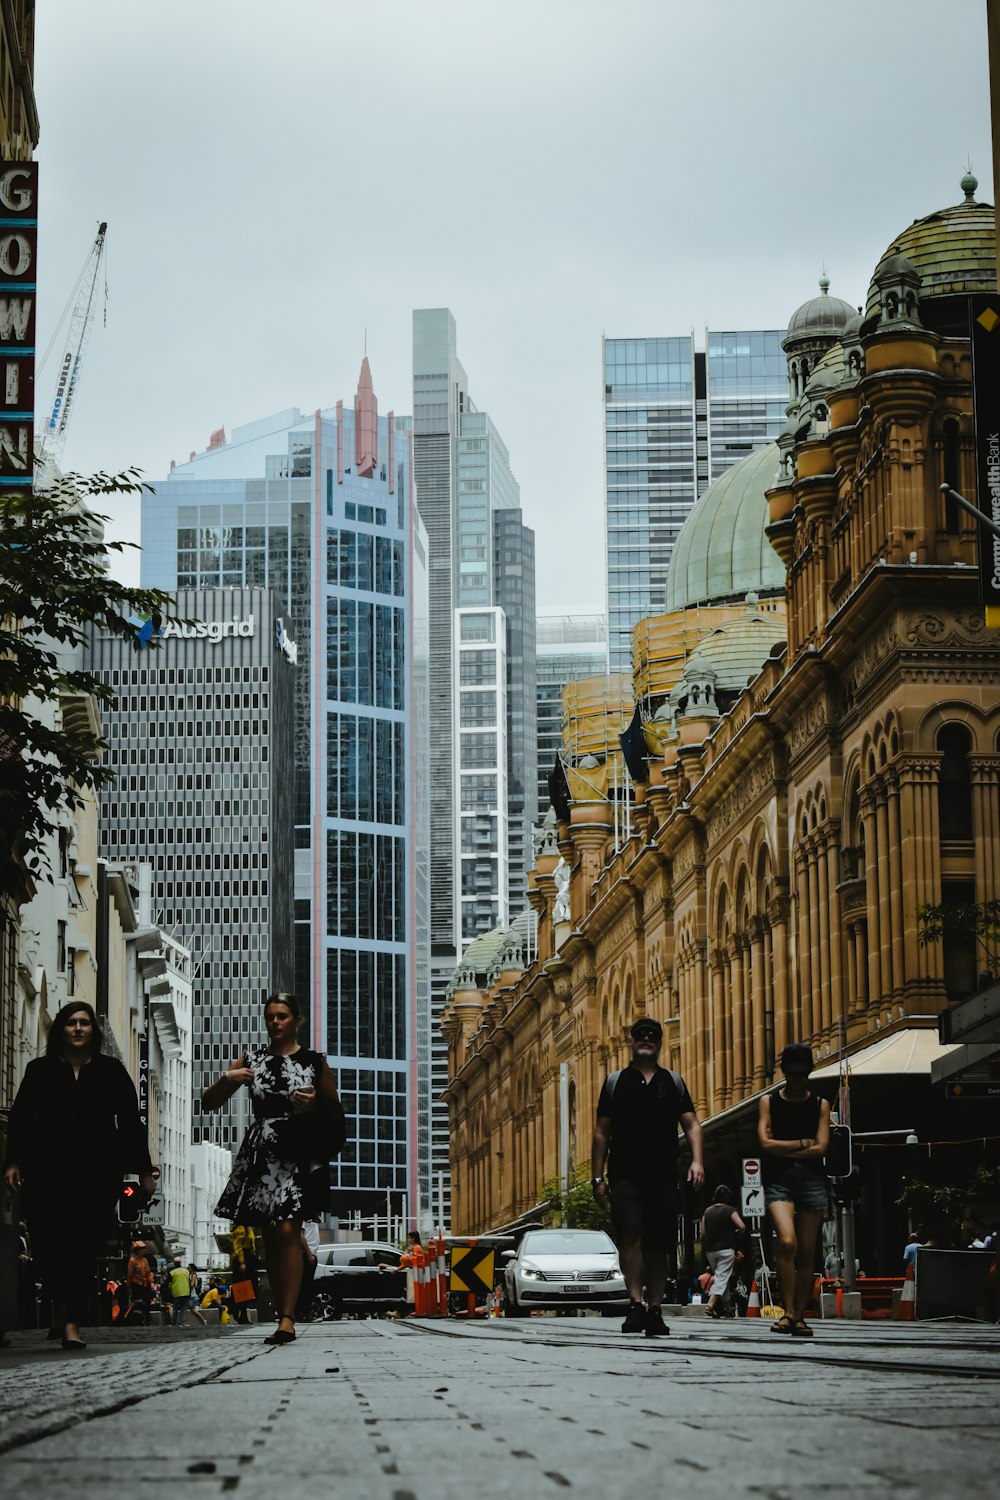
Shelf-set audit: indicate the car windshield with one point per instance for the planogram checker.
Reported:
(567, 1242)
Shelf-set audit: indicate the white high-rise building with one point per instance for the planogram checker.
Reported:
(481, 577)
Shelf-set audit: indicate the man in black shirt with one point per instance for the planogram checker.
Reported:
(638, 1114)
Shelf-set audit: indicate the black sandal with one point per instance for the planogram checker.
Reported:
(785, 1324)
(801, 1329)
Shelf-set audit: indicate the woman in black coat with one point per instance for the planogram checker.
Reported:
(74, 1131)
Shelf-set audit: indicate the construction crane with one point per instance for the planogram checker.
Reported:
(54, 432)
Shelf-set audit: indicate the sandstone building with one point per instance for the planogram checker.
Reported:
(820, 721)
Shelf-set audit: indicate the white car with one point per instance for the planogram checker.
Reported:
(563, 1268)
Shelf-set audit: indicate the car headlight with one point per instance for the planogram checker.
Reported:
(616, 1276)
(530, 1273)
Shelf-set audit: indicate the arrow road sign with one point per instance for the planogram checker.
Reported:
(753, 1202)
(472, 1269)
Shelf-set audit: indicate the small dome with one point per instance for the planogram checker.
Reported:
(953, 250)
(734, 653)
(820, 315)
(483, 951)
(721, 552)
(829, 372)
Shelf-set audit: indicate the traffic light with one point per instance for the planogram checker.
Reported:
(847, 1190)
(131, 1202)
(838, 1160)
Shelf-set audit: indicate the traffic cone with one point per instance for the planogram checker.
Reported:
(753, 1306)
(906, 1311)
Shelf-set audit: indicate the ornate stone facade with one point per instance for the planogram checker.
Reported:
(781, 849)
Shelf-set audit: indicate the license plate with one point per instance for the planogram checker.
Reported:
(576, 1286)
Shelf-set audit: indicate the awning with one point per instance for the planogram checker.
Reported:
(908, 1051)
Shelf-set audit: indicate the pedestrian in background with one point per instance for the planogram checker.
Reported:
(721, 1232)
(74, 1132)
(635, 1137)
(139, 1277)
(281, 1176)
(794, 1132)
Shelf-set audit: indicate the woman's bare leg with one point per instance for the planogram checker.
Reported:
(807, 1227)
(283, 1249)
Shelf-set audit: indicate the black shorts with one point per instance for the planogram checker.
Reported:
(646, 1212)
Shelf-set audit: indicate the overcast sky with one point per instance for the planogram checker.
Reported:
(278, 178)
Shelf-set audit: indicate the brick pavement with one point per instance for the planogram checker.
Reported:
(388, 1412)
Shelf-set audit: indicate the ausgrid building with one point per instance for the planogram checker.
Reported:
(200, 735)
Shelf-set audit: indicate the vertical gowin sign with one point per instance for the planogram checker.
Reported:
(985, 324)
(18, 294)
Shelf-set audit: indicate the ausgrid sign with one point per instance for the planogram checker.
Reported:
(208, 630)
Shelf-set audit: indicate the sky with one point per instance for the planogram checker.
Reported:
(282, 182)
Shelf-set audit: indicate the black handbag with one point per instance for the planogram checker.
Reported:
(317, 1134)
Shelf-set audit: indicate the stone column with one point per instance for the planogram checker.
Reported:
(778, 913)
(802, 1023)
(757, 1048)
(884, 899)
(717, 1063)
(700, 1009)
(872, 896)
(920, 854)
(985, 773)
(737, 1003)
(817, 965)
(837, 945)
(895, 882)
(824, 935)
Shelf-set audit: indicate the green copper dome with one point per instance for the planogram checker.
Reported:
(953, 250)
(722, 552)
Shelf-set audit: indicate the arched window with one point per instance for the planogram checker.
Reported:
(955, 785)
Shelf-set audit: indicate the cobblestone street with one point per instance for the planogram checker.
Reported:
(437, 1411)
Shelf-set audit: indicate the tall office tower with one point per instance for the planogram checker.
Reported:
(481, 560)
(200, 736)
(321, 509)
(567, 646)
(674, 419)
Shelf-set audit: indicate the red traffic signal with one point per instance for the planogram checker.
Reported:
(131, 1202)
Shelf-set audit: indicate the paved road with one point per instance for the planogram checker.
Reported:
(432, 1411)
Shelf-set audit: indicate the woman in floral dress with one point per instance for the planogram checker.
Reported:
(275, 1182)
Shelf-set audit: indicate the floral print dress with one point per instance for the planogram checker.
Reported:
(268, 1182)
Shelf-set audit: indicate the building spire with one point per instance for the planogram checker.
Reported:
(365, 422)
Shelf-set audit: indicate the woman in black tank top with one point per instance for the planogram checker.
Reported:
(794, 1134)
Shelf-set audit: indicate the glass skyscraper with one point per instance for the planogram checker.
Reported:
(321, 509)
(481, 568)
(675, 418)
(200, 735)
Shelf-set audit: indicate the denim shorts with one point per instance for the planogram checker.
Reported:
(799, 1185)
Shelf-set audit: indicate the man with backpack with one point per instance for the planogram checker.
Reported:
(635, 1137)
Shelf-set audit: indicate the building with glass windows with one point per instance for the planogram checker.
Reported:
(481, 559)
(200, 738)
(567, 647)
(675, 418)
(321, 509)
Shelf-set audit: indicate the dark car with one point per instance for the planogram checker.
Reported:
(363, 1277)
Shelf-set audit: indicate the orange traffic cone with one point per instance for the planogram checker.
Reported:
(753, 1306)
(906, 1311)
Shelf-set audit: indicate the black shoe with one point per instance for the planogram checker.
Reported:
(635, 1318)
(281, 1336)
(72, 1343)
(655, 1326)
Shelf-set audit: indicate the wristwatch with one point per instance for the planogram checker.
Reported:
(596, 1181)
